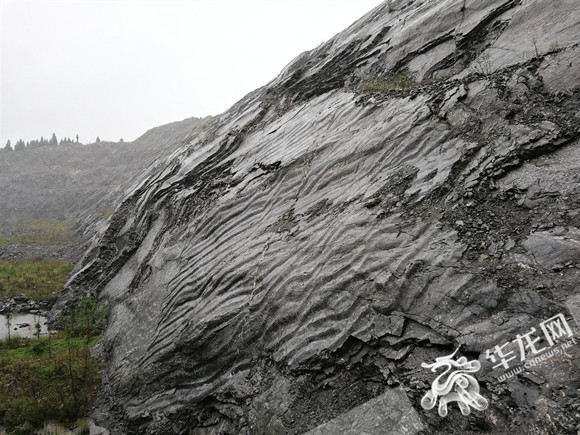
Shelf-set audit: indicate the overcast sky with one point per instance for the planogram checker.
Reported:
(115, 68)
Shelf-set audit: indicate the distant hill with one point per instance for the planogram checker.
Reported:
(45, 191)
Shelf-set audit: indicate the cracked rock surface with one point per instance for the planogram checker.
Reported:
(291, 269)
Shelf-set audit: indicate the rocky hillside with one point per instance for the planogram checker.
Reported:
(408, 188)
(44, 189)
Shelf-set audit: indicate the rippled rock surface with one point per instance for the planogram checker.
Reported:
(409, 187)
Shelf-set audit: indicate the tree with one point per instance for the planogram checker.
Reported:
(8, 146)
(19, 146)
(98, 139)
(86, 318)
(77, 138)
(8, 317)
(37, 327)
(53, 140)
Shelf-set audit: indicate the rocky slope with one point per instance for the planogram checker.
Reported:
(407, 188)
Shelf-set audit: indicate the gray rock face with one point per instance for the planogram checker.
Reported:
(390, 412)
(326, 236)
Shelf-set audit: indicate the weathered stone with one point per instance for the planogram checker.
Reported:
(251, 289)
(559, 69)
(392, 412)
(552, 251)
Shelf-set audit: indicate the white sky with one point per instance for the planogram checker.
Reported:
(115, 68)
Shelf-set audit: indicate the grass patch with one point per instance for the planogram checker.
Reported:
(41, 380)
(402, 80)
(50, 378)
(105, 212)
(35, 278)
(43, 232)
(38, 232)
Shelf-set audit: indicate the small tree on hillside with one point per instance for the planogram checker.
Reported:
(8, 317)
(37, 327)
(53, 140)
(98, 139)
(8, 146)
(19, 146)
(87, 319)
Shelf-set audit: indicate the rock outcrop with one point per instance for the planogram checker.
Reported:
(407, 188)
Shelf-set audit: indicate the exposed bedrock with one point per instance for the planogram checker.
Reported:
(301, 260)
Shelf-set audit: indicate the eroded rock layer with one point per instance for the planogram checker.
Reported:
(408, 187)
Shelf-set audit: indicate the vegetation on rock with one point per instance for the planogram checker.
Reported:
(402, 80)
(51, 377)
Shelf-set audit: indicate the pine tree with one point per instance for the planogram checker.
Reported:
(19, 146)
(53, 140)
(8, 146)
(98, 139)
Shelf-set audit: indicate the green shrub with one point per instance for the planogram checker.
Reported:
(51, 377)
(401, 80)
(24, 408)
